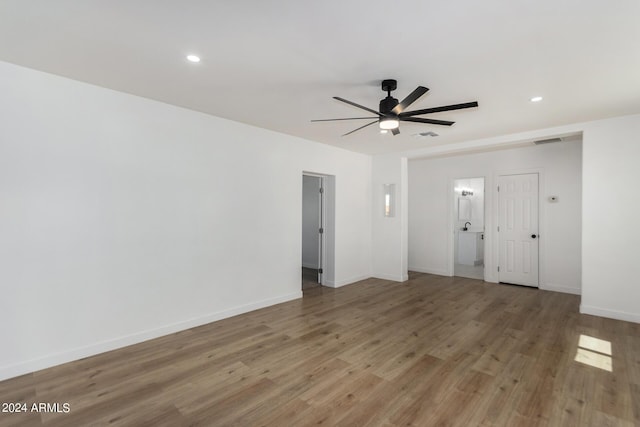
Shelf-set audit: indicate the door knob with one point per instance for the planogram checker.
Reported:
(533, 236)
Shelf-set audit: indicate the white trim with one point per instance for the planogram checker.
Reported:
(451, 243)
(404, 216)
(327, 264)
(33, 365)
(560, 288)
(611, 314)
(436, 271)
(512, 140)
(321, 244)
(340, 283)
(314, 174)
(394, 278)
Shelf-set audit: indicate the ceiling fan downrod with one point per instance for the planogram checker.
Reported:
(387, 104)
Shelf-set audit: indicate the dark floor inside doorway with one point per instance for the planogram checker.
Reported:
(309, 278)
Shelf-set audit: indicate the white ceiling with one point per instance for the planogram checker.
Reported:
(277, 64)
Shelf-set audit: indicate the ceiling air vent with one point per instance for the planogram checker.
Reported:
(547, 141)
(424, 134)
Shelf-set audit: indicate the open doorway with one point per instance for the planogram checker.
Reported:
(468, 220)
(312, 231)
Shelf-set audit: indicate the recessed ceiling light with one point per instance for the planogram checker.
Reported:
(383, 131)
(536, 99)
(193, 58)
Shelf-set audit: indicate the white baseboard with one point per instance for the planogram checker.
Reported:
(435, 271)
(611, 314)
(10, 371)
(560, 288)
(400, 278)
(340, 283)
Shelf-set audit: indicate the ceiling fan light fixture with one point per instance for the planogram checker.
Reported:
(391, 112)
(387, 123)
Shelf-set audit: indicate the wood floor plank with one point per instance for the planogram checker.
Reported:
(430, 351)
(635, 402)
(275, 414)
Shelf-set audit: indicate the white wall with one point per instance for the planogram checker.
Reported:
(610, 231)
(431, 209)
(389, 239)
(310, 221)
(122, 218)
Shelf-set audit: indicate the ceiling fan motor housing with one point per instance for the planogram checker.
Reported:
(387, 104)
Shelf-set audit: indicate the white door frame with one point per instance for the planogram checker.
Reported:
(451, 250)
(326, 239)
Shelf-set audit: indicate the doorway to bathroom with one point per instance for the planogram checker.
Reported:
(468, 220)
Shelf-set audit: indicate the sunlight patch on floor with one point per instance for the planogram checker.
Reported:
(594, 352)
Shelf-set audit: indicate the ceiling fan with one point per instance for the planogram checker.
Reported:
(393, 112)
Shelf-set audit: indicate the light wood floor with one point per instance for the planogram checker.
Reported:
(431, 351)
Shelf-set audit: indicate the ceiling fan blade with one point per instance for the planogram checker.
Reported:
(413, 96)
(429, 121)
(350, 118)
(395, 131)
(361, 127)
(357, 105)
(438, 109)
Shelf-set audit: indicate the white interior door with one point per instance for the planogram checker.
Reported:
(518, 229)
